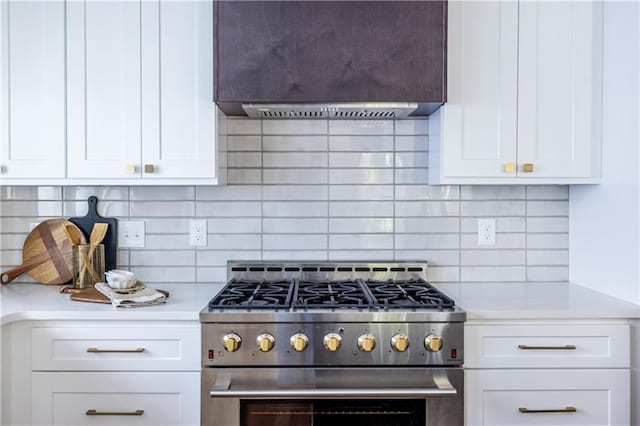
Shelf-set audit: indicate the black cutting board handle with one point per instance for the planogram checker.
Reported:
(110, 240)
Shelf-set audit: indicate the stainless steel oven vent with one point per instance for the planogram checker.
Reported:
(368, 111)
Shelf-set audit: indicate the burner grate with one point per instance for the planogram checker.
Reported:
(254, 294)
(416, 293)
(330, 294)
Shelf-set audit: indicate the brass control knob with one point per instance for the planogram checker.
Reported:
(400, 342)
(265, 342)
(299, 342)
(433, 343)
(332, 341)
(232, 342)
(366, 342)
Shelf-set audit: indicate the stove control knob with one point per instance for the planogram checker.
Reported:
(265, 342)
(400, 342)
(232, 342)
(299, 342)
(332, 341)
(366, 342)
(433, 343)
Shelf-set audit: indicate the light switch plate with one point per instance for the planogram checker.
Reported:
(131, 233)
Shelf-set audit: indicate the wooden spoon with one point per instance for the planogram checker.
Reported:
(98, 233)
(73, 233)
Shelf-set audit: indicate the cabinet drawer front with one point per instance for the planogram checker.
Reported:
(547, 397)
(547, 346)
(116, 348)
(116, 398)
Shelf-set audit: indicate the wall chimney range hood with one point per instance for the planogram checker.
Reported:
(330, 59)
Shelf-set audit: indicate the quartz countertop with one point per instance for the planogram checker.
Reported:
(40, 302)
(481, 301)
(535, 300)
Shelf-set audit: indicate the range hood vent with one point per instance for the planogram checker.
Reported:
(379, 111)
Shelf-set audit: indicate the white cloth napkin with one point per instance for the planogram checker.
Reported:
(143, 297)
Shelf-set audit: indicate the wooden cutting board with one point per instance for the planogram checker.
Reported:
(46, 254)
(94, 296)
(111, 238)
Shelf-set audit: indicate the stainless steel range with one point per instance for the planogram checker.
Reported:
(295, 344)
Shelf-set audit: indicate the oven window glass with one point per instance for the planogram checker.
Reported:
(394, 412)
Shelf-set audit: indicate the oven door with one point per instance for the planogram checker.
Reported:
(332, 396)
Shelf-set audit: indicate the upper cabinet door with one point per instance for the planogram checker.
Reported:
(559, 88)
(178, 119)
(33, 89)
(479, 127)
(103, 89)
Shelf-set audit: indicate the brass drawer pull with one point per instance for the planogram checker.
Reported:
(114, 413)
(100, 351)
(567, 409)
(565, 347)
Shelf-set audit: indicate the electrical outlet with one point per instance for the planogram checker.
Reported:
(486, 232)
(131, 233)
(198, 233)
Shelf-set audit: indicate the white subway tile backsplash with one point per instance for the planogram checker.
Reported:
(417, 126)
(360, 159)
(244, 126)
(361, 192)
(244, 159)
(295, 209)
(360, 242)
(360, 225)
(294, 225)
(294, 127)
(426, 208)
(294, 242)
(360, 127)
(294, 143)
(228, 208)
(412, 143)
(361, 176)
(295, 176)
(244, 143)
(361, 209)
(361, 143)
(318, 190)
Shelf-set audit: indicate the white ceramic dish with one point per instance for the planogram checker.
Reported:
(119, 279)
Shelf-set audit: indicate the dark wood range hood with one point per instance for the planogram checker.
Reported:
(370, 54)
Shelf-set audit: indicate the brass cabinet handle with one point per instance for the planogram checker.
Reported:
(99, 351)
(567, 409)
(565, 347)
(114, 413)
(130, 169)
(509, 168)
(148, 168)
(528, 167)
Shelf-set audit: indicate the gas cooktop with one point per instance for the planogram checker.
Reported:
(413, 293)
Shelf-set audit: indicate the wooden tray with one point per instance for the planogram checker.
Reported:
(94, 296)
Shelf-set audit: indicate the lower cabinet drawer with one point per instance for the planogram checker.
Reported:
(547, 397)
(147, 398)
(104, 346)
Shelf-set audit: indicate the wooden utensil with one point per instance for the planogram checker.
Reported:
(110, 239)
(97, 235)
(46, 254)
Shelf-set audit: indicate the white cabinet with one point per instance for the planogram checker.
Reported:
(166, 398)
(104, 92)
(547, 373)
(101, 372)
(524, 94)
(32, 142)
(547, 397)
(103, 89)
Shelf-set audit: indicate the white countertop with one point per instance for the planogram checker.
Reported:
(40, 302)
(535, 300)
(481, 301)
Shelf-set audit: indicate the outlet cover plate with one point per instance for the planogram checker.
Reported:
(486, 232)
(198, 233)
(131, 233)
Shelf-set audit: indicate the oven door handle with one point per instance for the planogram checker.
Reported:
(444, 388)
